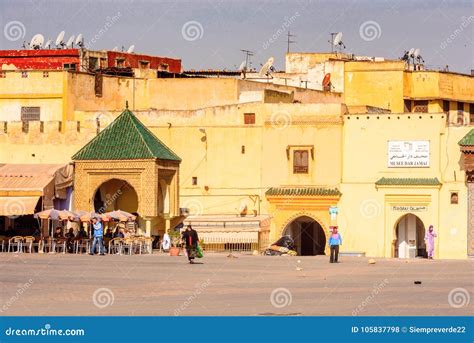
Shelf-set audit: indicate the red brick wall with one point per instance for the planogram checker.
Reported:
(40, 59)
(132, 60)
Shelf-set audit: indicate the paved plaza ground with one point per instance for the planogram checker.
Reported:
(57, 284)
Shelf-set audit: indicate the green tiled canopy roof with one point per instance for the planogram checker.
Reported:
(396, 181)
(305, 191)
(126, 138)
(467, 140)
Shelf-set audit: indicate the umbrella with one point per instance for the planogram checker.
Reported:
(56, 215)
(87, 216)
(120, 215)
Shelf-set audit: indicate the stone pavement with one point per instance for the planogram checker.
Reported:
(57, 284)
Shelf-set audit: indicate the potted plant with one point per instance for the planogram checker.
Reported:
(175, 248)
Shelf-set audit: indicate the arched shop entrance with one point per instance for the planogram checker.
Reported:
(410, 237)
(308, 235)
(115, 194)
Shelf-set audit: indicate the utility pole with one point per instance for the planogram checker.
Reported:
(289, 41)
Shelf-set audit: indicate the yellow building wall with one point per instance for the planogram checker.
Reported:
(378, 84)
(366, 216)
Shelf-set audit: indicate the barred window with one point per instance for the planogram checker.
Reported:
(300, 161)
(30, 113)
(420, 106)
(249, 118)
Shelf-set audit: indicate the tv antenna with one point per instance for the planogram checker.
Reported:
(289, 41)
(248, 54)
(37, 41)
(59, 40)
(336, 41)
(80, 40)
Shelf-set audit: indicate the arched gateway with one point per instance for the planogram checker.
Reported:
(308, 235)
(127, 166)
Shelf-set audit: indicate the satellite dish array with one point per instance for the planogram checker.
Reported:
(413, 55)
(37, 42)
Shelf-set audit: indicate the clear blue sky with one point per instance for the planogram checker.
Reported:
(222, 28)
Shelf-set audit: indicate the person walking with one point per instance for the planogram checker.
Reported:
(190, 239)
(335, 240)
(429, 240)
(98, 237)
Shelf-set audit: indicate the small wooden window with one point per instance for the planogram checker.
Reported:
(93, 63)
(242, 149)
(69, 66)
(98, 82)
(24, 74)
(164, 67)
(249, 118)
(471, 114)
(46, 74)
(407, 105)
(300, 161)
(420, 106)
(120, 62)
(194, 181)
(454, 198)
(144, 64)
(3, 74)
(30, 113)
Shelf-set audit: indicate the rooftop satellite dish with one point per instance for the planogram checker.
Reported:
(59, 40)
(70, 41)
(337, 41)
(327, 80)
(267, 68)
(243, 209)
(131, 49)
(48, 44)
(411, 52)
(115, 48)
(37, 41)
(79, 40)
(243, 66)
(416, 53)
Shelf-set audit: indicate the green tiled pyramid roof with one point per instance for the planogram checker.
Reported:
(467, 140)
(397, 181)
(304, 191)
(126, 138)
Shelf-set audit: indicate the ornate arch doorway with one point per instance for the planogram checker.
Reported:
(115, 194)
(410, 237)
(308, 235)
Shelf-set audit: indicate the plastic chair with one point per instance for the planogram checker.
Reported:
(115, 246)
(15, 241)
(82, 245)
(29, 243)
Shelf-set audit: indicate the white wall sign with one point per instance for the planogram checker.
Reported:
(408, 154)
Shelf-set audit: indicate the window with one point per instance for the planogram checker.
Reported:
(120, 62)
(45, 74)
(194, 181)
(242, 149)
(144, 64)
(30, 113)
(3, 74)
(420, 106)
(98, 82)
(300, 161)
(460, 116)
(446, 110)
(407, 104)
(471, 114)
(93, 63)
(454, 198)
(69, 66)
(164, 67)
(24, 74)
(249, 118)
